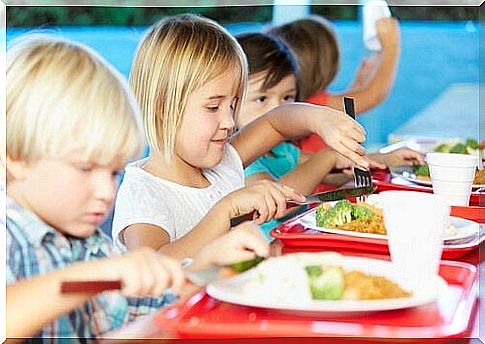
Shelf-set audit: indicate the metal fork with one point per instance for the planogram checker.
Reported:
(361, 178)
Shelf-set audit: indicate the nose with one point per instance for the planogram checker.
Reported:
(105, 187)
(226, 121)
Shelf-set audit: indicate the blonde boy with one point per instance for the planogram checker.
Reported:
(71, 126)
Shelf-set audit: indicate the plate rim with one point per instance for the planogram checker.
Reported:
(430, 294)
(377, 236)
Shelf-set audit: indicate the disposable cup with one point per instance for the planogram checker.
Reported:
(452, 176)
(415, 223)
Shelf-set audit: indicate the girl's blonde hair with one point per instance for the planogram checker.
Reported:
(63, 97)
(314, 42)
(176, 57)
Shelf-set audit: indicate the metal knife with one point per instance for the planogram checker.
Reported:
(320, 197)
(336, 195)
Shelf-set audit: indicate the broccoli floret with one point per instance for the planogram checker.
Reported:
(459, 148)
(472, 143)
(443, 148)
(421, 170)
(326, 283)
(361, 213)
(336, 216)
(246, 264)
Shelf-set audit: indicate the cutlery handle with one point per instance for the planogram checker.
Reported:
(242, 218)
(349, 107)
(68, 287)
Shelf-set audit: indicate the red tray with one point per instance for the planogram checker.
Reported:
(383, 180)
(293, 233)
(201, 316)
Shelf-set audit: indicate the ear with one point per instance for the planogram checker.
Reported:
(16, 168)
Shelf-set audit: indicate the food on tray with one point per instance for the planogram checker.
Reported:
(364, 217)
(422, 172)
(309, 276)
(470, 146)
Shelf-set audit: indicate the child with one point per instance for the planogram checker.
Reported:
(272, 81)
(314, 42)
(71, 125)
(189, 75)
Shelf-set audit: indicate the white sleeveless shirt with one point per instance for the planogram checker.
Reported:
(145, 198)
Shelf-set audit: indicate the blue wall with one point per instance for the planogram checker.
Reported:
(434, 55)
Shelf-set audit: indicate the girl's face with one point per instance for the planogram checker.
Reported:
(208, 122)
(259, 101)
(71, 195)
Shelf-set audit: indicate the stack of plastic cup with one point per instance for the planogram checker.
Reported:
(452, 176)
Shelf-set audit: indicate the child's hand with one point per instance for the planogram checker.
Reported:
(346, 165)
(268, 198)
(403, 156)
(342, 134)
(144, 272)
(388, 32)
(243, 242)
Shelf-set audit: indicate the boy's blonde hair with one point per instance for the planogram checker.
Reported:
(63, 97)
(314, 42)
(177, 56)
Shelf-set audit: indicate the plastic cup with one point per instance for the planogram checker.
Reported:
(452, 176)
(415, 222)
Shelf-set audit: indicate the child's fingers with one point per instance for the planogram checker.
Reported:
(176, 274)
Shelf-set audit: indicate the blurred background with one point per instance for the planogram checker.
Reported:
(440, 45)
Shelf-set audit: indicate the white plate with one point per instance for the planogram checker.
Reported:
(464, 228)
(232, 290)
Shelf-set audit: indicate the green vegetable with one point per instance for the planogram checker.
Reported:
(443, 148)
(361, 213)
(326, 283)
(459, 148)
(246, 264)
(472, 143)
(421, 170)
(336, 216)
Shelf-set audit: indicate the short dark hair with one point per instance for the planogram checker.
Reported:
(268, 54)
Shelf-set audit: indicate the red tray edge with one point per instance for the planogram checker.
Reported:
(458, 327)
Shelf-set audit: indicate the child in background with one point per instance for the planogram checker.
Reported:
(315, 45)
(72, 123)
(189, 76)
(272, 81)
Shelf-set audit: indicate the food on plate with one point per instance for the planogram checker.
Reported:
(470, 146)
(364, 217)
(304, 277)
(422, 172)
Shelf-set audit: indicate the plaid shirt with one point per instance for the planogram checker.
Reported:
(35, 248)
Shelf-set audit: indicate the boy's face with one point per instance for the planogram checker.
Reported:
(70, 195)
(208, 121)
(259, 101)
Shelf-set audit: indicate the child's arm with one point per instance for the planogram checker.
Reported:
(307, 175)
(36, 301)
(268, 199)
(295, 120)
(380, 80)
(400, 157)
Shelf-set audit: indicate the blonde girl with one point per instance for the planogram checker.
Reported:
(189, 76)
